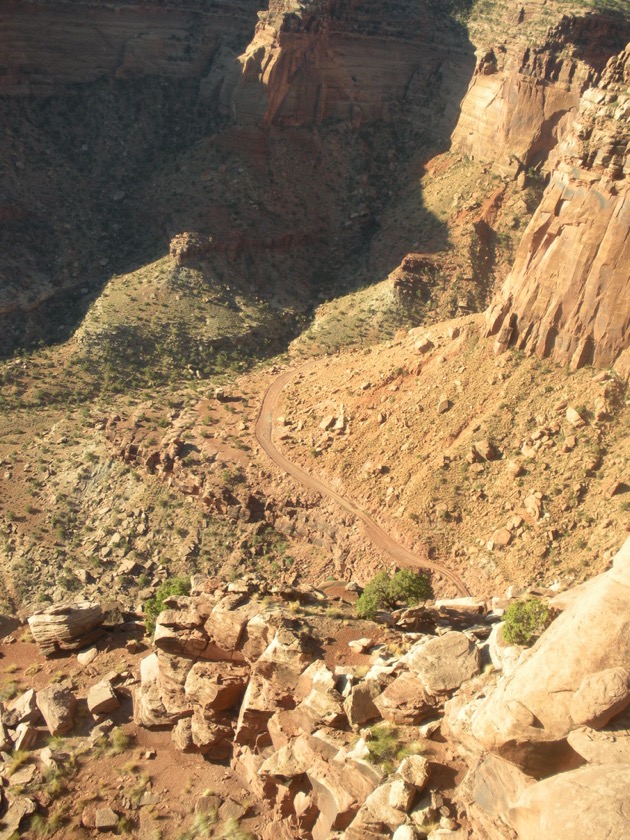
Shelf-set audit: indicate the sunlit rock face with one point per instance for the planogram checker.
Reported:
(567, 294)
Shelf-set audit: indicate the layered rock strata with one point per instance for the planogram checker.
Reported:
(525, 89)
(313, 61)
(567, 296)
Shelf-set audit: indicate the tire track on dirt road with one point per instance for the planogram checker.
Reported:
(264, 431)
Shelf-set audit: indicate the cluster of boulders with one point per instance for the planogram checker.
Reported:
(166, 460)
(354, 738)
(242, 677)
(542, 731)
(549, 742)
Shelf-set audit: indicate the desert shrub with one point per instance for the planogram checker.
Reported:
(231, 830)
(383, 745)
(155, 604)
(525, 621)
(385, 592)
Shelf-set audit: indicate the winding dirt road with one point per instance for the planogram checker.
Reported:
(264, 435)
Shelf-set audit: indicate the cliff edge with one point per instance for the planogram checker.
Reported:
(567, 295)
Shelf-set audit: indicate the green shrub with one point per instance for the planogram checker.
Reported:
(231, 830)
(525, 621)
(154, 605)
(383, 745)
(385, 592)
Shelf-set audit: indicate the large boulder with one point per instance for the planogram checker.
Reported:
(212, 734)
(57, 705)
(588, 802)
(488, 792)
(263, 697)
(148, 708)
(322, 702)
(256, 636)
(443, 663)
(172, 675)
(575, 674)
(359, 705)
(405, 701)
(390, 802)
(15, 809)
(23, 709)
(67, 626)
(101, 698)
(600, 697)
(338, 792)
(228, 619)
(272, 684)
(215, 686)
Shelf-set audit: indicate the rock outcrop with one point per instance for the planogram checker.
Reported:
(564, 702)
(312, 61)
(65, 627)
(528, 84)
(587, 802)
(567, 294)
(577, 674)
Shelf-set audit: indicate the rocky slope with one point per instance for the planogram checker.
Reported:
(567, 294)
(425, 725)
(176, 138)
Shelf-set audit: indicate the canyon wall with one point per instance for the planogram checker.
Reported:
(106, 104)
(334, 59)
(48, 45)
(567, 296)
(526, 86)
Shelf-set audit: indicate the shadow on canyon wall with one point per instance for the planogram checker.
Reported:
(123, 128)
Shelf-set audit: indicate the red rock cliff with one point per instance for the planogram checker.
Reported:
(346, 59)
(527, 84)
(568, 294)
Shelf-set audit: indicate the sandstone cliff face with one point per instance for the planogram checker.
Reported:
(47, 45)
(324, 59)
(567, 294)
(523, 92)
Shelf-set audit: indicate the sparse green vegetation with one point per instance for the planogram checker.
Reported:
(46, 826)
(384, 592)
(525, 621)
(154, 606)
(8, 690)
(232, 830)
(202, 827)
(383, 746)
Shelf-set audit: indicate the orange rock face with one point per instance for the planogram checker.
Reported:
(312, 61)
(522, 96)
(568, 294)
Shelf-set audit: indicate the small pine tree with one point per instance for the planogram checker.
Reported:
(403, 588)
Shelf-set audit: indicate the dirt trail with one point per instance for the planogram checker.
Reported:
(265, 427)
